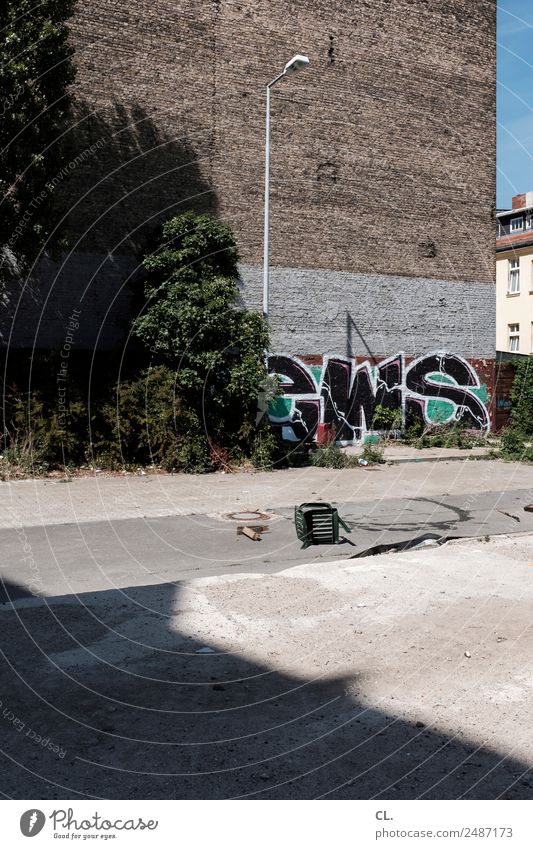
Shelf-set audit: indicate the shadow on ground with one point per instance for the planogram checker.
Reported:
(104, 696)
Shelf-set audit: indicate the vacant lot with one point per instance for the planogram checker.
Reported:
(406, 675)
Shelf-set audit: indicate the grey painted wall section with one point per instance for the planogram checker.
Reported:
(35, 311)
(311, 311)
(330, 312)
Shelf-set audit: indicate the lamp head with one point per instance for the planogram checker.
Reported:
(297, 63)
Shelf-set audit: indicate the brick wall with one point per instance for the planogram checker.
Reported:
(382, 151)
(503, 382)
(373, 315)
(382, 154)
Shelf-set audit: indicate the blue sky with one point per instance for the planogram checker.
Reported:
(515, 99)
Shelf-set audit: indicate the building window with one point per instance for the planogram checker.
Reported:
(514, 337)
(517, 224)
(529, 221)
(514, 276)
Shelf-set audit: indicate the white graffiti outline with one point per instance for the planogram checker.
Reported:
(321, 390)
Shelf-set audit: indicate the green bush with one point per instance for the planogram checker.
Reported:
(453, 435)
(521, 396)
(190, 323)
(386, 419)
(329, 456)
(413, 431)
(268, 449)
(147, 423)
(515, 441)
(372, 454)
(36, 75)
(512, 442)
(34, 437)
(139, 422)
(516, 445)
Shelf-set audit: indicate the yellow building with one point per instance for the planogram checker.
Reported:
(514, 277)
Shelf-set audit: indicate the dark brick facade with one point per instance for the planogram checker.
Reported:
(382, 183)
(382, 151)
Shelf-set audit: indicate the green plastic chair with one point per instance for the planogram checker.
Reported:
(318, 524)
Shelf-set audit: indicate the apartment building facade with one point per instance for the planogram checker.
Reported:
(514, 277)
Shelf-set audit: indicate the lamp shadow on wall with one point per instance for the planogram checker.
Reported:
(143, 708)
(354, 332)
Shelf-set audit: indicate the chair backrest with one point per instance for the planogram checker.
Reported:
(316, 522)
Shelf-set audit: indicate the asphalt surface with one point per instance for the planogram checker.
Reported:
(58, 559)
(168, 657)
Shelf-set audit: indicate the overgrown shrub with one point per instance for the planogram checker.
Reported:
(268, 450)
(190, 323)
(372, 453)
(515, 445)
(138, 422)
(413, 430)
(36, 73)
(453, 435)
(329, 456)
(516, 440)
(147, 423)
(386, 419)
(34, 437)
(521, 396)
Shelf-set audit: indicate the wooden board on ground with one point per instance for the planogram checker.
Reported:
(252, 531)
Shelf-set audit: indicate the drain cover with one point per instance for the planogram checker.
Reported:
(247, 516)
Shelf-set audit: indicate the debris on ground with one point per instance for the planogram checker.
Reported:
(510, 515)
(423, 541)
(259, 529)
(249, 532)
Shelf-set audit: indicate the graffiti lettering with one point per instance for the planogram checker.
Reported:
(436, 388)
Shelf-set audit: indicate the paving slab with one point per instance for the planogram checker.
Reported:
(408, 454)
(95, 498)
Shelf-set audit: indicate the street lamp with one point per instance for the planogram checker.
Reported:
(297, 63)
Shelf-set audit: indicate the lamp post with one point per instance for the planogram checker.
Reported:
(296, 64)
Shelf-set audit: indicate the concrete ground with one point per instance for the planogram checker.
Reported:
(97, 498)
(408, 454)
(150, 652)
(399, 676)
(100, 533)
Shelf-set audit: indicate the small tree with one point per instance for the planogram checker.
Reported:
(190, 321)
(521, 396)
(35, 72)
